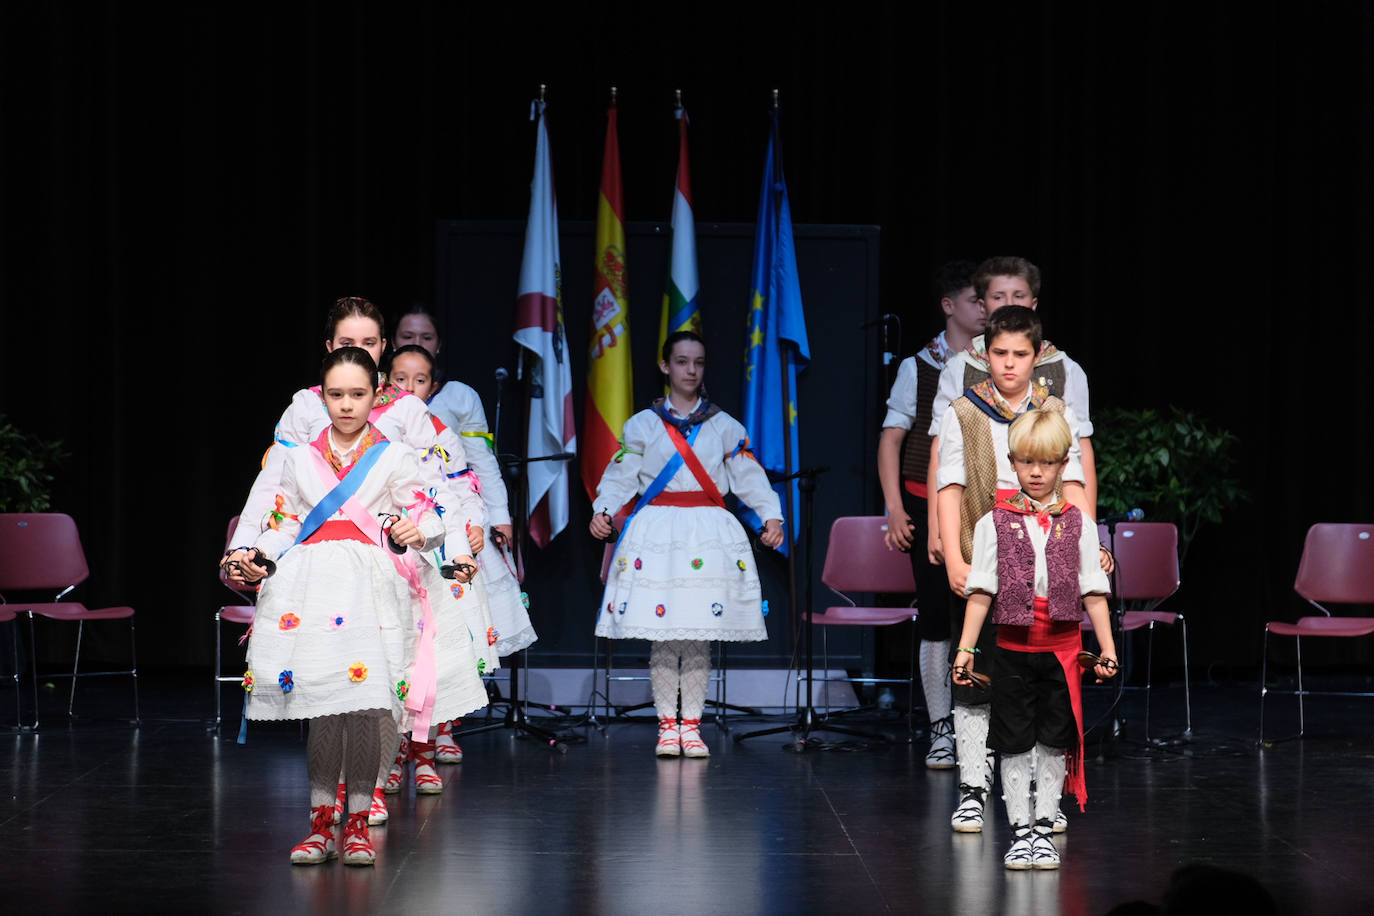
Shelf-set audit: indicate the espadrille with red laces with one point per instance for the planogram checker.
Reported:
(692, 745)
(358, 848)
(396, 776)
(446, 750)
(427, 781)
(340, 803)
(319, 846)
(377, 815)
(669, 739)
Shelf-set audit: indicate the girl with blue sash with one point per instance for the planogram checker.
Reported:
(683, 572)
(334, 638)
(462, 650)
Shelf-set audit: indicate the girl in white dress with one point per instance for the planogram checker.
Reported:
(462, 613)
(683, 572)
(334, 635)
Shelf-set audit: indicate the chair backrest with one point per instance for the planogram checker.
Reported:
(1146, 560)
(857, 560)
(40, 551)
(1337, 564)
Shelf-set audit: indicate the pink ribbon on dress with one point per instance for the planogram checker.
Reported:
(424, 678)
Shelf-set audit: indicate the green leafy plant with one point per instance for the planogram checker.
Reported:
(1169, 463)
(26, 464)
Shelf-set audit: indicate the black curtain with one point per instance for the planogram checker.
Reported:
(184, 190)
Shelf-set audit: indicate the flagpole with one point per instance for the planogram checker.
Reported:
(798, 617)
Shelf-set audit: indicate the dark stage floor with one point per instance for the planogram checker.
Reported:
(165, 818)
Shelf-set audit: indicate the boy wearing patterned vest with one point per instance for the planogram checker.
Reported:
(903, 462)
(1015, 281)
(974, 472)
(1035, 557)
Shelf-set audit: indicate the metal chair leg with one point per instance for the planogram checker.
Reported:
(1149, 670)
(1302, 721)
(1187, 689)
(33, 669)
(219, 672)
(1263, 685)
(133, 672)
(76, 663)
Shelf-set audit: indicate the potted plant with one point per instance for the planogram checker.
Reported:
(1169, 463)
(26, 464)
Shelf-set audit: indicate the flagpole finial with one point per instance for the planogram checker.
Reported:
(677, 99)
(775, 100)
(543, 88)
(613, 95)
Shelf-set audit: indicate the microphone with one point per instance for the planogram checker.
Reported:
(1130, 515)
(881, 319)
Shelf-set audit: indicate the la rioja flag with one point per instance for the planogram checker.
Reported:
(544, 354)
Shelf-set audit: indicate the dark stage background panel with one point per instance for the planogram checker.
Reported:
(477, 264)
(184, 189)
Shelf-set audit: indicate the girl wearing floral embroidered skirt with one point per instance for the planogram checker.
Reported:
(463, 617)
(683, 572)
(335, 639)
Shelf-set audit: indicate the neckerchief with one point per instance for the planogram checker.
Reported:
(370, 438)
(938, 350)
(985, 395)
(1024, 505)
(705, 411)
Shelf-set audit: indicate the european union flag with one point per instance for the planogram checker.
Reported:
(777, 348)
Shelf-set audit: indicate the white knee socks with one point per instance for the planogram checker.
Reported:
(935, 683)
(680, 665)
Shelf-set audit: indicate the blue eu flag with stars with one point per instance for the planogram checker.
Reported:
(777, 347)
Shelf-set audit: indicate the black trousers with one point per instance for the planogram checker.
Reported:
(933, 596)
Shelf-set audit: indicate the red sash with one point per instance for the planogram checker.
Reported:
(689, 458)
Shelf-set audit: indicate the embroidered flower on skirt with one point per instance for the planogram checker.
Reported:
(660, 610)
(337, 622)
(357, 672)
(717, 609)
(740, 564)
(610, 608)
(492, 636)
(639, 563)
(288, 621)
(621, 564)
(248, 681)
(696, 563)
(623, 605)
(765, 607)
(402, 689)
(457, 589)
(286, 681)
(481, 666)
(525, 599)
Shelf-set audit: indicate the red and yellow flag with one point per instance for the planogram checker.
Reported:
(609, 382)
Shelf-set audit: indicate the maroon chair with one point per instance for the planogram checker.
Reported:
(857, 561)
(41, 551)
(240, 613)
(1147, 572)
(1337, 567)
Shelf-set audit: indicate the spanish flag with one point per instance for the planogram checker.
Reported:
(609, 382)
(680, 311)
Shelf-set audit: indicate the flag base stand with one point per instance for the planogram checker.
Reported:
(807, 723)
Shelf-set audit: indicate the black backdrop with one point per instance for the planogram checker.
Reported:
(183, 191)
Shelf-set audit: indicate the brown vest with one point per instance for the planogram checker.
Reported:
(916, 445)
(980, 467)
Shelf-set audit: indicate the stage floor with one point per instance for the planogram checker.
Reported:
(106, 818)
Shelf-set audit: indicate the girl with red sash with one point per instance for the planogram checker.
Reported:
(1036, 559)
(334, 638)
(683, 572)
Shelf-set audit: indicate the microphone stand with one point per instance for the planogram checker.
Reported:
(515, 718)
(806, 722)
